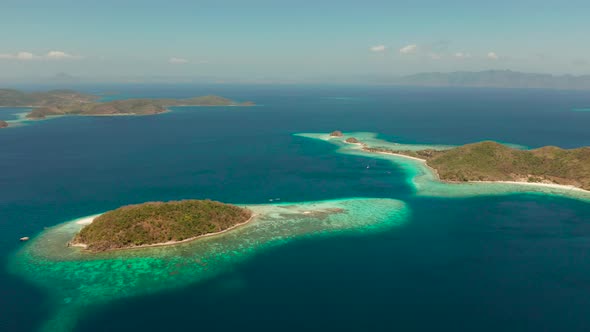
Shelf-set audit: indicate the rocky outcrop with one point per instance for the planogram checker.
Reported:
(336, 133)
(352, 140)
(3, 124)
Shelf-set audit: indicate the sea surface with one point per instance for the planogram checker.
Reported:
(518, 262)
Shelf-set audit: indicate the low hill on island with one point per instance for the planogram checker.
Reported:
(159, 223)
(130, 106)
(491, 161)
(119, 107)
(67, 102)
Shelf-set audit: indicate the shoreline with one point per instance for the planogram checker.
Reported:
(539, 184)
(89, 220)
(522, 183)
(423, 161)
(167, 110)
(49, 117)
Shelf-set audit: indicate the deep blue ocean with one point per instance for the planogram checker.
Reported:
(508, 263)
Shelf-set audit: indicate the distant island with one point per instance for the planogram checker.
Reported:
(67, 102)
(159, 223)
(492, 161)
(492, 79)
(3, 124)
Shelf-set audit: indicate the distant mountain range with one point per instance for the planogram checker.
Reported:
(496, 79)
(483, 79)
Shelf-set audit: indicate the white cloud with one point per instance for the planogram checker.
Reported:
(177, 61)
(408, 49)
(493, 56)
(378, 48)
(58, 55)
(461, 55)
(435, 56)
(18, 56)
(26, 56)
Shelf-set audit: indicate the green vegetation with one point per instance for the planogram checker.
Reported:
(118, 107)
(130, 106)
(66, 102)
(491, 161)
(159, 222)
(206, 101)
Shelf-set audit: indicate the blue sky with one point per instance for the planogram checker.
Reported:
(290, 40)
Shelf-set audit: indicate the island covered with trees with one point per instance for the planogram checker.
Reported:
(68, 102)
(159, 223)
(492, 161)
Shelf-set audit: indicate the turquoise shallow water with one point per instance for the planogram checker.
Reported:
(14, 116)
(448, 257)
(77, 280)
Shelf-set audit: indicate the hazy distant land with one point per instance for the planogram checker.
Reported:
(487, 78)
(68, 102)
(494, 79)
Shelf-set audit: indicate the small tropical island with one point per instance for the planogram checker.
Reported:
(68, 102)
(490, 161)
(159, 223)
(3, 124)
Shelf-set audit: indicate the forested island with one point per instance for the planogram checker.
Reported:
(67, 102)
(159, 223)
(492, 161)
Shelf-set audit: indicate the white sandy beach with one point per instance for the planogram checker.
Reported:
(538, 184)
(87, 220)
